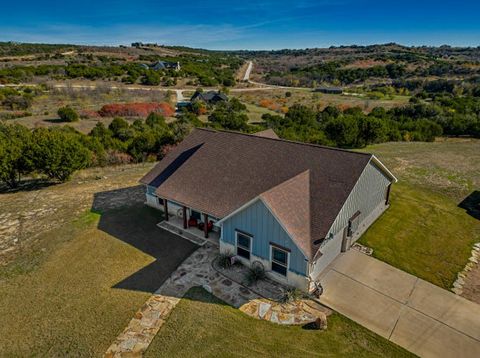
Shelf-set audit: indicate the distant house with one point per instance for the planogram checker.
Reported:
(329, 90)
(291, 207)
(210, 97)
(162, 65)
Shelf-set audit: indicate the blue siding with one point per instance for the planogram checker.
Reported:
(258, 221)
(151, 190)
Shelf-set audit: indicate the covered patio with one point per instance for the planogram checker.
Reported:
(194, 225)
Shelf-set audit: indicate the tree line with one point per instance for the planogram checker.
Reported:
(57, 152)
(352, 128)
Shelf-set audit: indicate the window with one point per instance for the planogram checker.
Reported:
(244, 245)
(279, 261)
(160, 201)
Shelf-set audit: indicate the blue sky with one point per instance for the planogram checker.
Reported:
(262, 24)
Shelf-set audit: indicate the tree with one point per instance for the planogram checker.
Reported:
(230, 115)
(58, 154)
(17, 102)
(343, 130)
(227, 118)
(141, 145)
(151, 78)
(301, 115)
(15, 158)
(155, 119)
(120, 129)
(67, 114)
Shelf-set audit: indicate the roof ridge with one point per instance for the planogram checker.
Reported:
(252, 135)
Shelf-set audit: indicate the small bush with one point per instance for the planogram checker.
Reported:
(15, 103)
(225, 259)
(136, 109)
(87, 113)
(288, 94)
(67, 114)
(292, 294)
(255, 273)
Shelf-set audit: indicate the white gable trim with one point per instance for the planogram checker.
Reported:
(383, 168)
(236, 211)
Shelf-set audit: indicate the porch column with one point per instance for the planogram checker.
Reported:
(184, 217)
(165, 209)
(205, 226)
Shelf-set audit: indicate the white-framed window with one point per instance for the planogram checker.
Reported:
(279, 260)
(244, 245)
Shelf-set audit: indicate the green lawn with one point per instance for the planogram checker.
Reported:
(255, 112)
(423, 233)
(61, 302)
(203, 326)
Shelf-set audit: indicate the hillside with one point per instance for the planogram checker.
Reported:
(411, 68)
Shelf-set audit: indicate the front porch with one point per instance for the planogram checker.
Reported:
(175, 224)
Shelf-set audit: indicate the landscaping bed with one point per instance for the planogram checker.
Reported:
(201, 325)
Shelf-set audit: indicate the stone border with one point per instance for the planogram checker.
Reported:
(472, 261)
(363, 249)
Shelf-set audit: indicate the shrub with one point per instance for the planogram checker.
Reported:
(15, 153)
(59, 153)
(115, 157)
(267, 103)
(136, 109)
(88, 113)
(225, 259)
(292, 294)
(67, 114)
(255, 273)
(151, 78)
(16, 102)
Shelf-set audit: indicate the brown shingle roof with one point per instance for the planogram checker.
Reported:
(267, 133)
(290, 203)
(218, 171)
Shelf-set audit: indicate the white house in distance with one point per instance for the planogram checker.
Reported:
(291, 206)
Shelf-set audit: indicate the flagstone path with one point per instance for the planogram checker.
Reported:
(197, 270)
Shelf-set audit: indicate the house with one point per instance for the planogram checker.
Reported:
(291, 206)
(165, 65)
(329, 90)
(210, 97)
(162, 65)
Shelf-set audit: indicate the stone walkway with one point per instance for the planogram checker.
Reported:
(197, 270)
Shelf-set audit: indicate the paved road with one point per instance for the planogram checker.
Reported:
(246, 77)
(421, 317)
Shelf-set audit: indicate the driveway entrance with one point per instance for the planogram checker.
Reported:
(423, 318)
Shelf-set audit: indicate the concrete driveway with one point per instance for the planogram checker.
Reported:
(421, 317)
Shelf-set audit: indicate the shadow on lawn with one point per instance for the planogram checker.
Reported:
(471, 204)
(125, 217)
